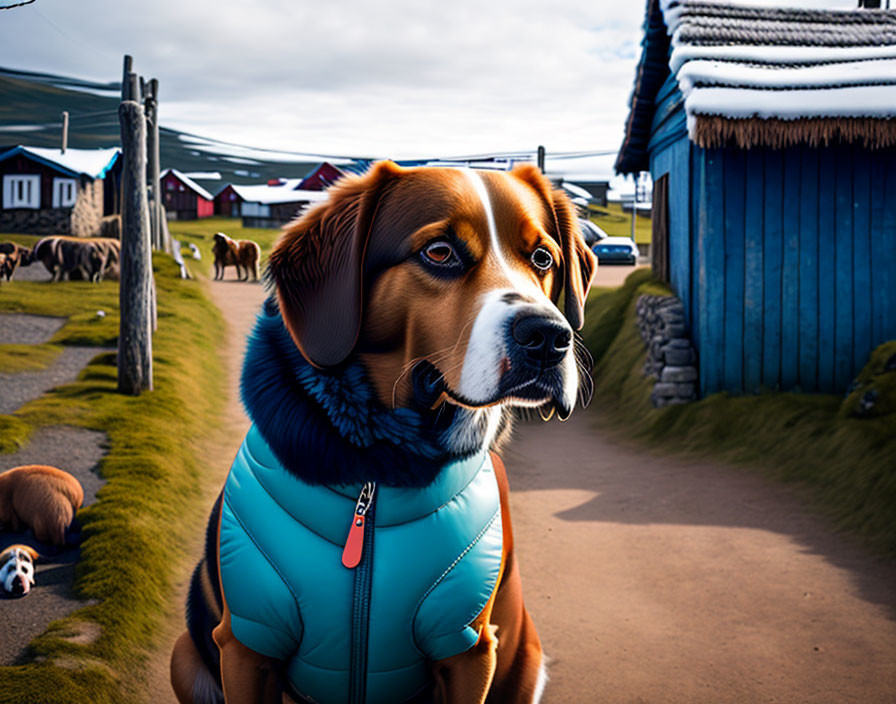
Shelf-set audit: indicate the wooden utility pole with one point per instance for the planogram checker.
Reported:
(150, 105)
(126, 77)
(541, 155)
(136, 285)
(64, 130)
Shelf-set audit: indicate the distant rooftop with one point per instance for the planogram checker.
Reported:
(74, 162)
(284, 193)
(190, 183)
(762, 76)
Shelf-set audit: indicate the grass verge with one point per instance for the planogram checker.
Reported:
(200, 232)
(616, 223)
(153, 471)
(848, 463)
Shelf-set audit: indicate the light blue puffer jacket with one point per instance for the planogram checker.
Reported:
(434, 562)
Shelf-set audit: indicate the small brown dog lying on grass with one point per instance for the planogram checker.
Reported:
(17, 569)
(39, 497)
(243, 254)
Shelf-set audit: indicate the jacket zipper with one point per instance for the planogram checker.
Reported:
(358, 555)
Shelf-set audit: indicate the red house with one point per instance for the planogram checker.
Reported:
(184, 198)
(228, 202)
(321, 178)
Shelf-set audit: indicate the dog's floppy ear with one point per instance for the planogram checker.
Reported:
(318, 263)
(30, 551)
(579, 262)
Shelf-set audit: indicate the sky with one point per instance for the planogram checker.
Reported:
(398, 79)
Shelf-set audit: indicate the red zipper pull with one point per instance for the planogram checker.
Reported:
(354, 543)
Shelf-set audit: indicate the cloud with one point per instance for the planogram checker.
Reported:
(351, 76)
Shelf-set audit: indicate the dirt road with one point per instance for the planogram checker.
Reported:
(659, 580)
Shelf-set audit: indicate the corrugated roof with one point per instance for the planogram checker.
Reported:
(74, 162)
(741, 69)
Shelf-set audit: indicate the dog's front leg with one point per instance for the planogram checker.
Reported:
(467, 678)
(247, 677)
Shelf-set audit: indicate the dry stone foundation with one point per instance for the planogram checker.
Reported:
(671, 358)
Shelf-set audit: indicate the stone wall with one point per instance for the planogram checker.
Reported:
(45, 221)
(87, 213)
(671, 358)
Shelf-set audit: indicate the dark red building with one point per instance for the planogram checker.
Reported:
(228, 202)
(184, 198)
(321, 178)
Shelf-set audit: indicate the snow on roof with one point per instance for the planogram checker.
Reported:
(743, 62)
(207, 175)
(189, 183)
(576, 191)
(737, 65)
(75, 162)
(284, 193)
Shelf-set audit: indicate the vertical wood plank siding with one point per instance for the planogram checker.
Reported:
(753, 273)
(843, 270)
(680, 221)
(861, 257)
(807, 243)
(785, 261)
(772, 259)
(734, 164)
(827, 200)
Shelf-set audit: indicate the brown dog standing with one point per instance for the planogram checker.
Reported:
(39, 497)
(242, 254)
(437, 290)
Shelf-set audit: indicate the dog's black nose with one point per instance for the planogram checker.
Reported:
(18, 585)
(544, 341)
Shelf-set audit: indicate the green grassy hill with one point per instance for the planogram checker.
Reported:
(31, 106)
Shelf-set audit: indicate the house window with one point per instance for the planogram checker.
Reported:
(64, 192)
(21, 191)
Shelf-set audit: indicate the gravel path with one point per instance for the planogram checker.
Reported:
(34, 272)
(24, 329)
(17, 389)
(78, 451)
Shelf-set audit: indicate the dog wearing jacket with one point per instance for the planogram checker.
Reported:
(362, 550)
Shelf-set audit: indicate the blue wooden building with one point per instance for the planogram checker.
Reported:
(771, 139)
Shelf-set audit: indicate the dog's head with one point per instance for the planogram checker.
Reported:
(17, 569)
(444, 282)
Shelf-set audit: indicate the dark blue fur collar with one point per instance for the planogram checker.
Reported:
(327, 426)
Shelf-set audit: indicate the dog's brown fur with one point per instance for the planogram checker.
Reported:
(14, 256)
(242, 254)
(39, 497)
(318, 269)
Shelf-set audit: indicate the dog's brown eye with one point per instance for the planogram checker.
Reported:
(542, 259)
(439, 253)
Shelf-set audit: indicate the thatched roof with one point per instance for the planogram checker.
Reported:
(753, 76)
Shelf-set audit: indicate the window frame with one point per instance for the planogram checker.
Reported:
(58, 201)
(26, 184)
